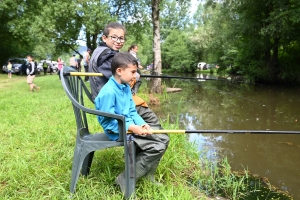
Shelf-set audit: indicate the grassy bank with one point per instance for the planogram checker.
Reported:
(37, 142)
(37, 134)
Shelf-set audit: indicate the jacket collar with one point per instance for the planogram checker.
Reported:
(120, 86)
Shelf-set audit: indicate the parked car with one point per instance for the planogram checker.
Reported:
(205, 67)
(52, 65)
(18, 66)
(209, 66)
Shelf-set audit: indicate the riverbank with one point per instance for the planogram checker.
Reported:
(37, 144)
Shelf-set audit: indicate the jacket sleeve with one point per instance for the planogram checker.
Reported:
(105, 103)
(104, 63)
(138, 120)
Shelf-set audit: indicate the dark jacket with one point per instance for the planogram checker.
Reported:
(100, 62)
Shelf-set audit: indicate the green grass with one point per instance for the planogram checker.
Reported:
(37, 143)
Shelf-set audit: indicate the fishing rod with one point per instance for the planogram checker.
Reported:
(157, 76)
(178, 77)
(191, 131)
(82, 74)
(142, 75)
(222, 131)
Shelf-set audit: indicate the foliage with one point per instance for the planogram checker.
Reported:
(254, 36)
(12, 45)
(174, 16)
(259, 38)
(176, 54)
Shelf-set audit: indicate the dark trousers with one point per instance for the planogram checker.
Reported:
(45, 71)
(58, 73)
(152, 147)
(86, 69)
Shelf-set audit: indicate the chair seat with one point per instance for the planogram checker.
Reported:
(99, 137)
(100, 140)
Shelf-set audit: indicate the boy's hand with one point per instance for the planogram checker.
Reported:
(146, 127)
(140, 130)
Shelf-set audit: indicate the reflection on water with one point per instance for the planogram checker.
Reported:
(223, 105)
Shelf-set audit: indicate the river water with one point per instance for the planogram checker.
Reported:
(224, 104)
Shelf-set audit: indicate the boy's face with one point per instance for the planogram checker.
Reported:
(115, 40)
(127, 74)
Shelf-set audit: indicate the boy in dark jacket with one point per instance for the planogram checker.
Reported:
(31, 74)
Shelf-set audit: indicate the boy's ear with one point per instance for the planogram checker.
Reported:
(118, 71)
(104, 38)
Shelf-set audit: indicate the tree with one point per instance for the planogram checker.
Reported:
(169, 22)
(156, 82)
(14, 38)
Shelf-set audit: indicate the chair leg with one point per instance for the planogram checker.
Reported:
(130, 152)
(76, 167)
(80, 157)
(87, 164)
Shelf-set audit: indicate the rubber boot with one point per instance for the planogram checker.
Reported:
(150, 176)
(120, 180)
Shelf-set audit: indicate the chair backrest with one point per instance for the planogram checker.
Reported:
(78, 93)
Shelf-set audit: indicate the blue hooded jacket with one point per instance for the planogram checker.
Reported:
(116, 98)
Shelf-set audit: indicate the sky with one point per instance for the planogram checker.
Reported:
(194, 6)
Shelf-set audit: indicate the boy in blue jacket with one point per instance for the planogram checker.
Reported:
(115, 97)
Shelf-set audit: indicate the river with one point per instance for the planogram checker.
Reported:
(224, 104)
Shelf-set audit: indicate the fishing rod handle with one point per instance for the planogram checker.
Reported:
(82, 74)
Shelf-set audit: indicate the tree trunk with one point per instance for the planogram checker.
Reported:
(156, 82)
(94, 41)
(88, 39)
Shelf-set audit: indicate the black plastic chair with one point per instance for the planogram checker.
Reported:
(87, 143)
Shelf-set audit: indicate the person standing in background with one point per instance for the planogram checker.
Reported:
(86, 58)
(51, 67)
(45, 67)
(31, 74)
(133, 49)
(73, 62)
(59, 66)
(9, 67)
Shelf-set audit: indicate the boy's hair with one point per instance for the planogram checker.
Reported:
(113, 25)
(29, 55)
(132, 47)
(122, 60)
